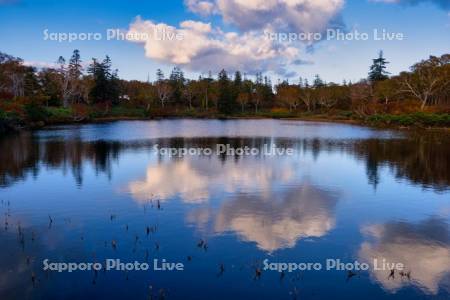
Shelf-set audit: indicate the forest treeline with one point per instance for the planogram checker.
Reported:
(74, 91)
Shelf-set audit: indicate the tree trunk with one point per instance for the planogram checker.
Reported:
(424, 103)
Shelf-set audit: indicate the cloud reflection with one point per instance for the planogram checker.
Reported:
(423, 248)
(268, 201)
(278, 220)
(196, 180)
(167, 180)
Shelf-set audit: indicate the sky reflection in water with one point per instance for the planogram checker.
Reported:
(348, 192)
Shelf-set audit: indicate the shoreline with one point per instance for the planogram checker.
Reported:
(6, 127)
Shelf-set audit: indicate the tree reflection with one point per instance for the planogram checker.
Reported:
(19, 155)
(420, 158)
(22, 155)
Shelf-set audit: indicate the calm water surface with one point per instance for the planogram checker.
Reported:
(92, 192)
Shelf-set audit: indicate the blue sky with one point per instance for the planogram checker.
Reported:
(426, 27)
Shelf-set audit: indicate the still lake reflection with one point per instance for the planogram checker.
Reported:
(91, 192)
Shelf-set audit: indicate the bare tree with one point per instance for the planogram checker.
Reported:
(164, 91)
(426, 79)
(64, 81)
(17, 80)
(361, 94)
(70, 78)
(306, 95)
(243, 99)
(290, 94)
(189, 92)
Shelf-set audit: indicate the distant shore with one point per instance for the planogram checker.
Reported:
(388, 121)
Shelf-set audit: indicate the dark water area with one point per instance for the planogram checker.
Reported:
(89, 193)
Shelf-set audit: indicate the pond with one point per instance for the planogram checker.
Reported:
(321, 198)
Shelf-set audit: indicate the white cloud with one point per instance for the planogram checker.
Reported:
(286, 15)
(203, 48)
(203, 8)
(291, 15)
(196, 26)
(208, 48)
(40, 64)
(49, 65)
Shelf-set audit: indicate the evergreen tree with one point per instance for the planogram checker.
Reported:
(237, 85)
(75, 71)
(225, 102)
(267, 90)
(106, 87)
(318, 82)
(31, 84)
(107, 65)
(238, 79)
(159, 75)
(306, 83)
(75, 67)
(114, 87)
(177, 82)
(98, 91)
(61, 62)
(50, 86)
(259, 79)
(378, 69)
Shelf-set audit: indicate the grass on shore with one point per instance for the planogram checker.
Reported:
(413, 119)
(34, 115)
